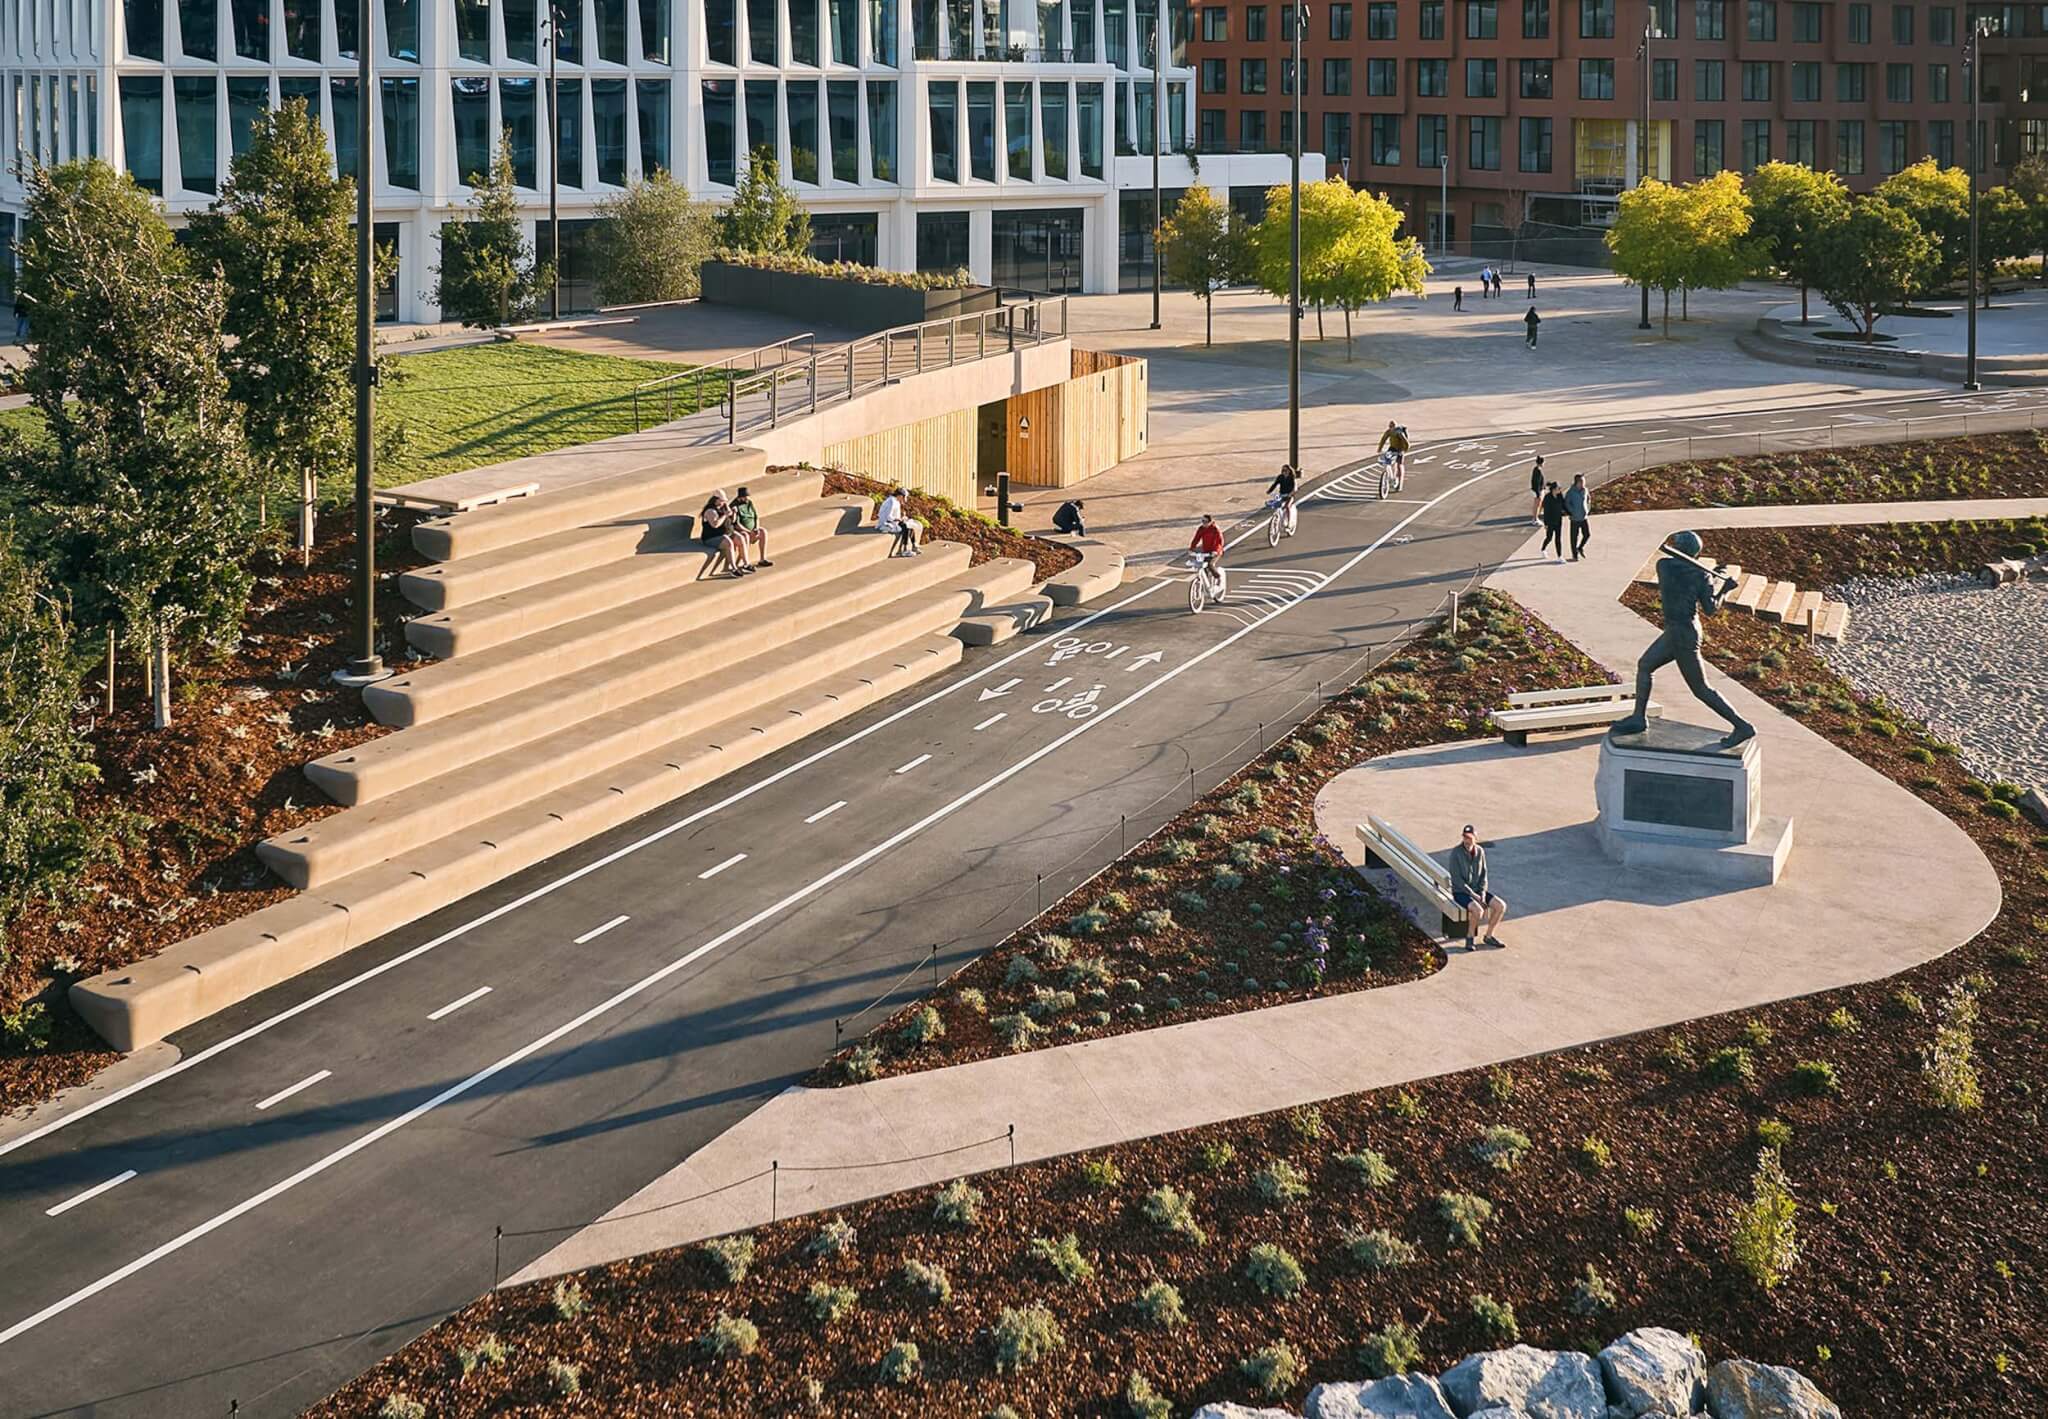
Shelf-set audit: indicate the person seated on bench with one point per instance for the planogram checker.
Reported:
(894, 518)
(715, 532)
(1068, 518)
(1469, 890)
(746, 522)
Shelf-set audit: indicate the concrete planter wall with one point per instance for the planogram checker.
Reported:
(853, 305)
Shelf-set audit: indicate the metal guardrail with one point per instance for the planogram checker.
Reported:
(720, 375)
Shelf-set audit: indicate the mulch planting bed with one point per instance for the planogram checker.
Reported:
(946, 521)
(1820, 557)
(1918, 1287)
(1235, 904)
(2013, 465)
(184, 807)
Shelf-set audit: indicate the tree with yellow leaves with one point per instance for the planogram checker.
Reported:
(1351, 255)
(1694, 237)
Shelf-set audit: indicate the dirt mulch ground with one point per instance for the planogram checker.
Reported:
(197, 797)
(1918, 1289)
(1820, 557)
(1236, 904)
(2013, 465)
(946, 521)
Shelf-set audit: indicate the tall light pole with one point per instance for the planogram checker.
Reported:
(1160, 10)
(555, 160)
(1643, 141)
(1294, 260)
(366, 665)
(1973, 56)
(1443, 204)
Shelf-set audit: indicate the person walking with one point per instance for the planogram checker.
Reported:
(1068, 518)
(1532, 285)
(1485, 282)
(1553, 510)
(1472, 892)
(1496, 285)
(1532, 320)
(1578, 506)
(746, 520)
(1457, 298)
(1536, 481)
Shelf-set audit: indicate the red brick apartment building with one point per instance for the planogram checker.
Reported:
(1538, 106)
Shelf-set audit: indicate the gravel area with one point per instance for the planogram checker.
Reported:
(1970, 660)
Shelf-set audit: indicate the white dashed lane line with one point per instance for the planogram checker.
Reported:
(290, 1089)
(999, 714)
(827, 811)
(913, 763)
(596, 931)
(454, 1005)
(736, 858)
(89, 1194)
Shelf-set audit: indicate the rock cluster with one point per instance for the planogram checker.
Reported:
(1646, 1374)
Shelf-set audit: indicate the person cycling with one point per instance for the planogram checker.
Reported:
(1395, 441)
(1207, 543)
(1284, 486)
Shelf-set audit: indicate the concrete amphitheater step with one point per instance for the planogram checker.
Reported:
(532, 609)
(446, 585)
(643, 477)
(583, 684)
(431, 692)
(139, 1004)
(357, 838)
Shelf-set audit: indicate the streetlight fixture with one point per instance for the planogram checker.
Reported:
(554, 161)
(1643, 142)
(1443, 205)
(366, 665)
(1972, 57)
(1294, 260)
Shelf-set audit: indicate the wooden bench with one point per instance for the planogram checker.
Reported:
(1565, 709)
(1388, 848)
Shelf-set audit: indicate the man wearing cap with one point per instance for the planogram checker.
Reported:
(1483, 910)
(1685, 591)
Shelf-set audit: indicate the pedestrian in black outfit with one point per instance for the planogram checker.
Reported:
(1553, 519)
(1532, 320)
(1457, 298)
(1536, 489)
(1068, 518)
(1578, 506)
(1532, 285)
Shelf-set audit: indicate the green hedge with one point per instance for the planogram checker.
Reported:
(955, 280)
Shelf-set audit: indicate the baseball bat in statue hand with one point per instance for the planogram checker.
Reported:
(1714, 572)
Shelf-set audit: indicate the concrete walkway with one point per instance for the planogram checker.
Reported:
(1590, 960)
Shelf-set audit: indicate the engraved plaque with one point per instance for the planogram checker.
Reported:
(1678, 800)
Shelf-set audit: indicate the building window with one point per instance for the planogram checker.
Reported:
(1482, 78)
(842, 121)
(1941, 141)
(1215, 24)
(1340, 21)
(1386, 140)
(142, 129)
(343, 98)
(1902, 24)
(1017, 130)
(1535, 145)
(1208, 131)
(1596, 19)
(472, 28)
(251, 20)
(1251, 76)
(1337, 137)
(654, 41)
(1482, 19)
(198, 28)
(197, 98)
(1763, 19)
(1894, 139)
(1088, 111)
(1802, 141)
(519, 115)
(1849, 83)
(1806, 22)
(1937, 83)
(981, 132)
(1382, 20)
(1482, 143)
(762, 31)
(1859, 24)
(247, 101)
(761, 105)
(1898, 83)
(1941, 26)
(720, 130)
(1336, 77)
(1756, 82)
(1849, 146)
(1707, 81)
(1287, 24)
(1381, 77)
(1805, 82)
(1251, 130)
(1430, 149)
(1432, 19)
(569, 132)
(1756, 143)
(1535, 74)
(1287, 76)
(1432, 78)
(471, 107)
(1255, 24)
(608, 127)
(301, 29)
(882, 130)
(1709, 19)
(1664, 80)
(1596, 78)
(1706, 147)
(145, 35)
(803, 33)
(1215, 74)
(941, 241)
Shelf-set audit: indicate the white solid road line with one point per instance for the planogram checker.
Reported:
(454, 1005)
(710, 872)
(290, 1089)
(829, 809)
(683, 962)
(913, 764)
(596, 931)
(88, 1195)
(999, 714)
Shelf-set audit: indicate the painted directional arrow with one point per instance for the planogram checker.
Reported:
(1148, 658)
(1002, 689)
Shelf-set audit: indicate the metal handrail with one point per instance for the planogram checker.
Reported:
(727, 366)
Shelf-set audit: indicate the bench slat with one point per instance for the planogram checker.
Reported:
(1590, 693)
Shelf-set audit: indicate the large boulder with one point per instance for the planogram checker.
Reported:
(1654, 1371)
(1743, 1389)
(1242, 1411)
(1542, 1384)
(1396, 1397)
(1497, 1412)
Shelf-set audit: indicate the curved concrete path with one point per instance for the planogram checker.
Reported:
(1597, 954)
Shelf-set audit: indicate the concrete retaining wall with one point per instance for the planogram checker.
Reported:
(1783, 343)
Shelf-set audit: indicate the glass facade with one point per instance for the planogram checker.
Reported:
(519, 119)
(142, 129)
(611, 30)
(803, 32)
(402, 29)
(1017, 129)
(247, 99)
(608, 126)
(842, 114)
(522, 29)
(401, 98)
(567, 25)
(941, 241)
(569, 132)
(882, 37)
(344, 100)
(720, 135)
(251, 20)
(845, 17)
(1052, 123)
(1036, 251)
(981, 131)
(302, 29)
(762, 110)
(471, 100)
(802, 100)
(652, 98)
(472, 29)
(882, 130)
(1088, 104)
(654, 31)
(145, 28)
(199, 29)
(720, 26)
(944, 120)
(762, 24)
(846, 236)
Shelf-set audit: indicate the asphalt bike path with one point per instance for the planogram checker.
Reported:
(321, 1176)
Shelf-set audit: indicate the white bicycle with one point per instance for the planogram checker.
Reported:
(1283, 521)
(1207, 584)
(1391, 468)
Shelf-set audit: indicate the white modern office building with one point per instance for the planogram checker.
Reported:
(1008, 136)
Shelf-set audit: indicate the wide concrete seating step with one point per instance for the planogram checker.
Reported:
(1777, 601)
(1833, 622)
(647, 475)
(446, 585)
(532, 609)
(429, 692)
(1805, 606)
(359, 837)
(587, 687)
(139, 1004)
(999, 623)
(1099, 572)
(1749, 591)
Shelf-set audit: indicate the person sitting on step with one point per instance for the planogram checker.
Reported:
(893, 517)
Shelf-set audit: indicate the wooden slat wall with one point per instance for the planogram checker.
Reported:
(936, 454)
(1083, 426)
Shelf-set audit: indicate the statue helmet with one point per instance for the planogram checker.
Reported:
(1688, 543)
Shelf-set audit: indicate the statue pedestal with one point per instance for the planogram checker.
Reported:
(1674, 800)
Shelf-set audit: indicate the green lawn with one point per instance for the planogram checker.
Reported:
(487, 403)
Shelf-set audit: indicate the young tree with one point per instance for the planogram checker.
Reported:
(1647, 240)
(1326, 220)
(1875, 257)
(488, 275)
(765, 218)
(1687, 238)
(43, 757)
(1371, 262)
(144, 474)
(1790, 204)
(282, 236)
(2006, 231)
(1938, 201)
(2030, 181)
(651, 239)
(1199, 237)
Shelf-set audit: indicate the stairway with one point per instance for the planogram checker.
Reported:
(1773, 600)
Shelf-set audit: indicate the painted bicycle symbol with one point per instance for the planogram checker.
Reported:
(1079, 705)
(1068, 646)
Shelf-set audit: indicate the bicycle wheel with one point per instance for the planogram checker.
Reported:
(1198, 591)
(1273, 528)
